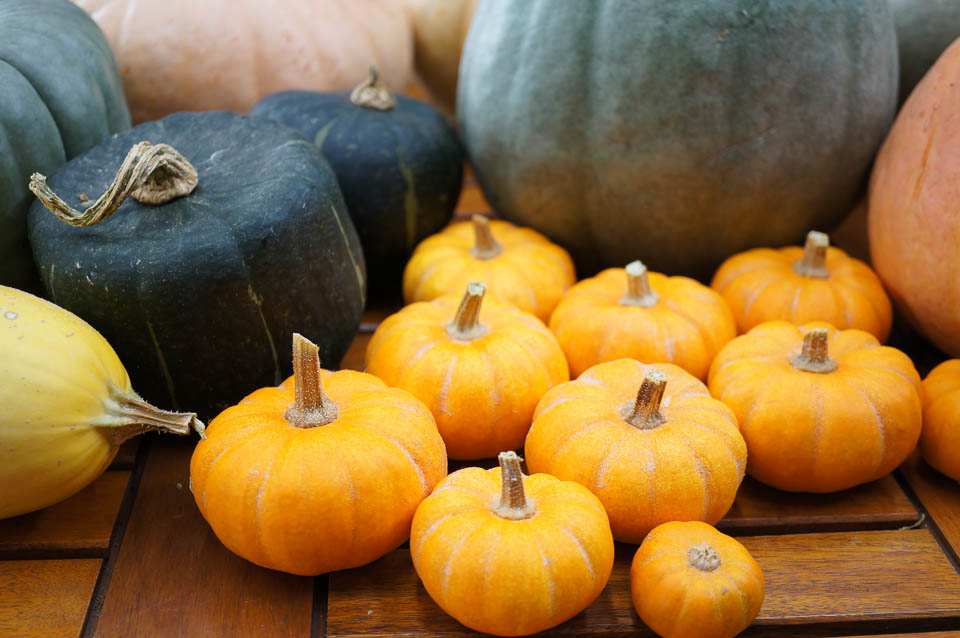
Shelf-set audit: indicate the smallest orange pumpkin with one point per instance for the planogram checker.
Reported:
(690, 581)
(940, 437)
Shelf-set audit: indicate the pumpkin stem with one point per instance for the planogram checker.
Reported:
(814, 356)
(486, 245)
(513, 503)
(814, 260)
(128, 415)
(373, 93)
(150, 173)
(466, 325)
(645, 411)
(311, 406)
(703, 557)
(639, 292)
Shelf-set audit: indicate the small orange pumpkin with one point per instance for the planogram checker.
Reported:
(511, 555)
(518, 265)
(815, 283)
(821, 409)
(292, 476)
(480, 379)
(630, 313)
(666, 452)
(690, 581)
(940, 438)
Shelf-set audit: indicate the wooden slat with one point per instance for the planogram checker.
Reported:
(940, 496)
(78, 526)
(174, 578)
(353, 360)
(45, 598)
(126, 455)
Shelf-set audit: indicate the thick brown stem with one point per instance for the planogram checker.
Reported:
(645, 411)
(310, 407)
(486, 245)
(127, 415)
(151, 174)
(814, 260)
(814, 356)
(373, 93)
(466, 325)
(513, 503)
(639, 292)
(703, 557)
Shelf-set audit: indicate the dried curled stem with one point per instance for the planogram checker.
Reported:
(373, 93)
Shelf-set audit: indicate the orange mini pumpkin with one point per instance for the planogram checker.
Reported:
(821, 409)
(648, 440)
(516, 264)
(940, 438)
(813, 283)
(690, 581)
(511, 555)
(481, 373)
(630, 313)
(292, 476)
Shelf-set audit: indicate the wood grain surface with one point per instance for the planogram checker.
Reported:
(940, 496)
(126, 455)
(45, 598)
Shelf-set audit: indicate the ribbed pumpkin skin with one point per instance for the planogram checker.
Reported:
(61, 96)
(940, 439)
(677, 600)
(687, 326)
(302, 500)
(531, 272)
(482, 392)
(814, 432)
(689, 468)
(680, 132)
(761, 285)
(505, 577)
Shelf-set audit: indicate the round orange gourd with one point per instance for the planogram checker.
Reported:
(813, 283)
(821, 409)
(516, 264)
(630, 313)
(690, 581)
(292, 477)
(648, 440)
(511, 555)
(940, 438)
(481, 372)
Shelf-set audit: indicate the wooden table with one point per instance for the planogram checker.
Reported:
(131, 556)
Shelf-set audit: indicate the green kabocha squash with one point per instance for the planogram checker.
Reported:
(200, 294)
(682, 132)
(925, 28)
(60, 94)
(398, 162)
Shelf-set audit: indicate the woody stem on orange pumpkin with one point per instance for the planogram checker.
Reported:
(466, 325)
(513, 503)
(311, 407)
(485, 244)
(645, 412)
(814, 260)
(814, 355)
(639, 292)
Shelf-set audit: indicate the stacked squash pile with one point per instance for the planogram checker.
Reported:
(202, 243)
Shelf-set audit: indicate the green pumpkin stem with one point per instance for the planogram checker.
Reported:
(373, 93)
(466, 325)
(703, 557)
(814, 356)
(485, 244)
(513, 503)
(645, 412)
(127, 415)
(639, 292)
(311, 407)
(814, 260)
(150, 173)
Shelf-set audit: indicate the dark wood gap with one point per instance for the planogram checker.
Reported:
(318, 618)
(929, 522)
(740, 528)
(896, 626)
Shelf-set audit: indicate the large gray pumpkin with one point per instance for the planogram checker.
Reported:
(925, 28)
(675, 132)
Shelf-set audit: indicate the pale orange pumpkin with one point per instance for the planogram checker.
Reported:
(190, 55)
(813, 283)
(509, 554)
(518, 265)
(630, 313)
(648, 440)
(690, 581)
(940, 438)
(481, 372)
(821, 409)
(292, 476)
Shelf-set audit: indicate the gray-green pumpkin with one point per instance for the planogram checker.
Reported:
(60, 94)
(925, 28)
(675, 132)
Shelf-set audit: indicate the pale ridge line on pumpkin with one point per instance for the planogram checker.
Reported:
(410, 457)
(258, 302)
(576, 541)
(427, 533)
(704, 476)
(259, 512)
(881, 430)
(346, 242)
(445, 389)
(723, 440)
(451, 557)
(533, 356)
(548, 568)
(613, 452)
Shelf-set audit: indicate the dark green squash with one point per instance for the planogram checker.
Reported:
(925, 28)
(398, 161)
(200, 295)
(60, 94)
(678, 133)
